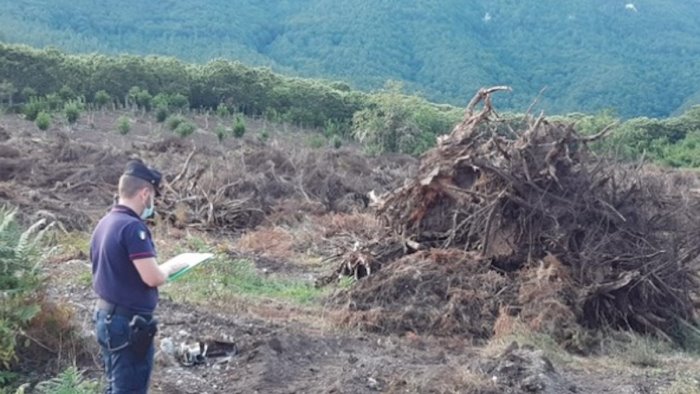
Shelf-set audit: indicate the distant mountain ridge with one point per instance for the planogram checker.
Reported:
(638, 57)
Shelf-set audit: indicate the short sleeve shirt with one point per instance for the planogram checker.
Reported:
(120, 238)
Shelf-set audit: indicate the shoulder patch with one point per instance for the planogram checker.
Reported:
(142, 235)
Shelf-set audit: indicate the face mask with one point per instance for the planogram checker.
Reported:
(148, 211)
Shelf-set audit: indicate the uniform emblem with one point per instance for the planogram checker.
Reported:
(142, 235)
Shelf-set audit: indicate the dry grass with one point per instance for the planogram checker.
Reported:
(311, 238)
(447, 380)
(53, 341)
(362, 225)
(272, 242)
(683, 385)
(509, 329)
(638, 351)
(74, 245)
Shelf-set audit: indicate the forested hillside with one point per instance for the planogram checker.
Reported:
(37, 83)
(639, 58)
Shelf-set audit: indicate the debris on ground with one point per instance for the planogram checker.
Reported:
(434, 292)
(524, 369)
(200, 352)
(205, 185)
(584, 242)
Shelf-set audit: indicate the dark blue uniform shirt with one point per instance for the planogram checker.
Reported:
(119, 238)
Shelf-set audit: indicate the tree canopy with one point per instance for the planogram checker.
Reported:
(639, 60)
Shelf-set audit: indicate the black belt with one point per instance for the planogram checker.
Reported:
(114, 309)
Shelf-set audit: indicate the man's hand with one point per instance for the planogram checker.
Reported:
(155, 275)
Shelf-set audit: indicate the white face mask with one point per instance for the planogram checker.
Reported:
(148, 211)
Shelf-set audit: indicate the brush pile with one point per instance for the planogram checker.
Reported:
(580, 241)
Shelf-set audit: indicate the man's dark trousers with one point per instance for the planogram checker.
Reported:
(126, 371)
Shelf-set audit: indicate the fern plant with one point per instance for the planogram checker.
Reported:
(70, 381)
(19, 280)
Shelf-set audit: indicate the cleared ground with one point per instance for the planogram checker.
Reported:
(293, 211)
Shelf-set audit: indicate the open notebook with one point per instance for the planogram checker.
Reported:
(192, 259)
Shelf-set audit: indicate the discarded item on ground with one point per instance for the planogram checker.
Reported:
(524, 369)
(201, 352)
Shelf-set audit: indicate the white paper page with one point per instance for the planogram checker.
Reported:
(191, 259)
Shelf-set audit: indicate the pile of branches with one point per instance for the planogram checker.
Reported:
(626, 241)
(229, 191)
(58, 179)
(206, 185)
(209, 192)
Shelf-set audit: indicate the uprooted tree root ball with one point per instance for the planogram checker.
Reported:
(584, 242)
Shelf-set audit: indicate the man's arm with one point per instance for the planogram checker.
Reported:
(153, 274)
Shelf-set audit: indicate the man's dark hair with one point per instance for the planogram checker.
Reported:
(130, 185)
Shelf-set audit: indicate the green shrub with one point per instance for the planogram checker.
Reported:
(396, 122)
(174, 121)
(72, 111)
(43, 121)
(161, 114)
(336, 142)
(54, 101)
(222, 132)
(170, 101)
(331, 129)
(7, 378)
(272, 115)
(185, 129)
(239, 127)
(161, 100)
(144, 100)
(222, 111)
(102, 98)
(141, 97)
(264, 136)
(179, 101)
(123, 125)
(34, 107)
(19, 281)
(66, 93)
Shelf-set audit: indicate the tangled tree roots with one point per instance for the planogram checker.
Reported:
(601, 243)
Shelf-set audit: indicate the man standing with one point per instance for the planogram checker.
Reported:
(126, 276)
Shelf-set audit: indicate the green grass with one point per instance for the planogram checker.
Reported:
(637, 350)
(224, 279)
(347, 282)
(84, 278)
(72, 242)
(192, 243)
(219, 279)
